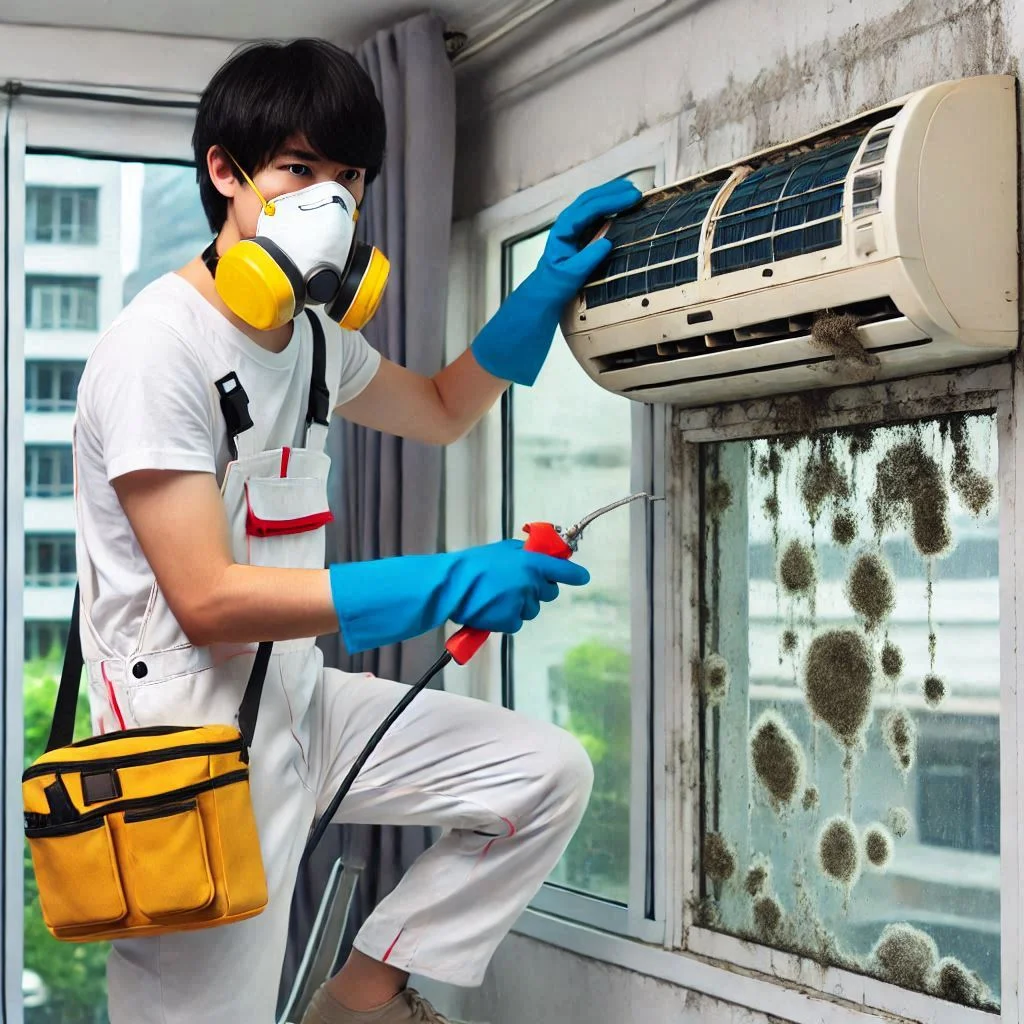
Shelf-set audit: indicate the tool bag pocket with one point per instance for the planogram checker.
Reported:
(166, 860)
(143, 832)
(76, 871)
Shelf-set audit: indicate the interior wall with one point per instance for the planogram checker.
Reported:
(735, 77)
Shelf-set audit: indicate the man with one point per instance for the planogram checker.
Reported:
(200, 537)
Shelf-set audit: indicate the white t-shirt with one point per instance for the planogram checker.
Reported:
(147, 401)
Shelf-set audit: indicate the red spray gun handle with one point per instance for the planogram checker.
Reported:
(541, 537)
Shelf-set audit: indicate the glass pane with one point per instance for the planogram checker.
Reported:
(851, 700)
(571, 666)
(154, 212)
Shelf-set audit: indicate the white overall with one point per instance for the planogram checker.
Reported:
(508, 792)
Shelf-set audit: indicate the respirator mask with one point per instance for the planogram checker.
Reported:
(305, 253)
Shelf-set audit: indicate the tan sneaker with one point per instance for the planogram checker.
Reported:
(408, 1007)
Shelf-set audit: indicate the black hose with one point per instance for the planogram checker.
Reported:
(328, 816)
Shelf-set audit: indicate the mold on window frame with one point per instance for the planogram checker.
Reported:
(989, 388)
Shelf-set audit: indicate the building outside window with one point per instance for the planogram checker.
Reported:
(67, 216)
(49, 471)
(50, 560)
(52, 385)
(61, 303)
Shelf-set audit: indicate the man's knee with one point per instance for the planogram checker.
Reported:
(568, 770)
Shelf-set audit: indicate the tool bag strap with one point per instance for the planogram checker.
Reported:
(62, 731)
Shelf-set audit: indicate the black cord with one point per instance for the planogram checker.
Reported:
(332, 809)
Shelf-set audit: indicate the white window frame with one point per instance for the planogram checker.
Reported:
(36, 577)
(36, 400)
(77, 127)
(474, 483)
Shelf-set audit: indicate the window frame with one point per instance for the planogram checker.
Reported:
(475, 513)
(80, 292)
(159, 129)
(990, 387)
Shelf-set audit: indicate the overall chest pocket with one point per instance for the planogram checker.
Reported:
(285, 522)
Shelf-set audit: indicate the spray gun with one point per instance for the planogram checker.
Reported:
(545, 539)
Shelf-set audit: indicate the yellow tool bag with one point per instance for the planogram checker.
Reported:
(144, 831)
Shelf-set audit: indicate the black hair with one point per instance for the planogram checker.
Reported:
(268, 91)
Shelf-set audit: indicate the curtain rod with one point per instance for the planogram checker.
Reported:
(12, 88)
(467, 50)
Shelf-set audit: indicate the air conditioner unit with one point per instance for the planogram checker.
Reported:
(905, 218)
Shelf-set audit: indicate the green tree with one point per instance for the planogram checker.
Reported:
(592, 689)
(74, 973)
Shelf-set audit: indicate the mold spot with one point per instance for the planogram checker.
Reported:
(771, 506)
(811, 798)
(718, 498)
(823, 478)
(910, 492)
(870, 589)
(716, 680)
(900, 735)
(838, 855)
(839, 674)
(892, 660)
(777, 759)
(796, 568)
(839, 335)
(878, 847)
(789, 640)
(757, 878)
(707, 913)
(719, 858)
(934, 691)
(898, 820)
(844, 528)
(906, 956)
(767, 916)
(973, 488)
(954, 982)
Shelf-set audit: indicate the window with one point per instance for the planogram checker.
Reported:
(50, 560)
(569, 451)
(62, 981)
(52, 386)
(850, 674)
(49, 471)
(67, 216)
(45, 641)
(61, 303)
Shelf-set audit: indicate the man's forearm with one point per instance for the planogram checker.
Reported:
(467, 392)
(251, 603)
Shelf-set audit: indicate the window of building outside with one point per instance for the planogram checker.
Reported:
(55, 303)
(49, 471)
(50, 560)
(154, 210)
(850, 685)
(52, 385)
(568, 452)
(67, 216)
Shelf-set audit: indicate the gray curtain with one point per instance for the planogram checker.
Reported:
(387, 493)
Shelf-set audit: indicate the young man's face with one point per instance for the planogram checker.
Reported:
(296, 166)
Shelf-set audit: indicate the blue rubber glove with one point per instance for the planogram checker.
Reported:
(515, 342)
(495, 587)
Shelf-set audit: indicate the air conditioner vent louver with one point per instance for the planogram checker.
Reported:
(654, 248)
(869, 312)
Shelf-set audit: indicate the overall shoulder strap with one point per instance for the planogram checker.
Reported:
(318, 409)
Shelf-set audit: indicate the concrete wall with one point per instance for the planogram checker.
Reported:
(734, 76)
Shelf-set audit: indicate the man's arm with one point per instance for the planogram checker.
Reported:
(512, 346)
(182, 528)
(434, 410)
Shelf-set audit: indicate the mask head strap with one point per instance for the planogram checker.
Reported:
(268, 208)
